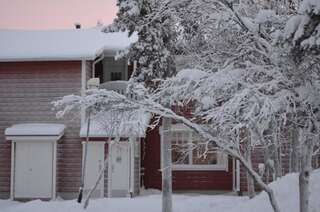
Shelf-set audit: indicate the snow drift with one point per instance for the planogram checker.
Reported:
(286, 190)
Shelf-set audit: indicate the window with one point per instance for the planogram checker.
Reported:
(189, 153)
(116, 76)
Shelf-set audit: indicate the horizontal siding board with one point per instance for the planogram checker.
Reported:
(27, 90)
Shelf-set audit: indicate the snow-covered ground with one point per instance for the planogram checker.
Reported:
(286, 190)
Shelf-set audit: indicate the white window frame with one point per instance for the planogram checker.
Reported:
(222, 163)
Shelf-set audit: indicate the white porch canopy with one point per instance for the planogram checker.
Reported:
(35, 131)
(33, 159)
(118, 124)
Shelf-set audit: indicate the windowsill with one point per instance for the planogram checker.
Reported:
(199, 168)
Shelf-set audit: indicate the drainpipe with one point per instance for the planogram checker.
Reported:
(132, 153)
(94, 64)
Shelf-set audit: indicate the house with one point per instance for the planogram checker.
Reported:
(43, 157)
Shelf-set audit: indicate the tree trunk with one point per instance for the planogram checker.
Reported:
(166, 168)
(304, 176)
(250, 181)
(294, 163)
(277, 157)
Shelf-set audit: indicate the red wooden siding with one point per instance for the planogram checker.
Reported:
(26, 92)
(182, 180)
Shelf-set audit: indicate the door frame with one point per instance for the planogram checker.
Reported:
(111, 144)
(84, 145)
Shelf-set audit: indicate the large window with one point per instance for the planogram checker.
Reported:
(190, 152)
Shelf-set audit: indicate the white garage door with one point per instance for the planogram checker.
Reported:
(33, 170)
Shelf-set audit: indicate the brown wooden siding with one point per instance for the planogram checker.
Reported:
(182, 180)
(26, 92)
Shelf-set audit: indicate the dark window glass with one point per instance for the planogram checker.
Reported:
(116, 76)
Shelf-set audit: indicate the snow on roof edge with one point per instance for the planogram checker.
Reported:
(35, 129)
(60, 45)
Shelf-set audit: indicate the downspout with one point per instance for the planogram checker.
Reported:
(132, 153)
(100, 58)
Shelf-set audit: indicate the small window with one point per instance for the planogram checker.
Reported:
(189, 152)
(116, 76)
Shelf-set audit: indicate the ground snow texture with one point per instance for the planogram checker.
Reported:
(286, 190)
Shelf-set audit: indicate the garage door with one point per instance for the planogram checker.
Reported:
(33, 169)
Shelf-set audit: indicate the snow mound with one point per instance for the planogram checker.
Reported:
(287, 193)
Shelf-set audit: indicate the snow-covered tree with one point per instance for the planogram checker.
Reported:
(303, 35)
(154, 23)
(255, 85)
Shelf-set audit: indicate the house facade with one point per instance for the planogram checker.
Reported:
(44, 157)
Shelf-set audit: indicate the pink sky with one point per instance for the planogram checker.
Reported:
(53, 14)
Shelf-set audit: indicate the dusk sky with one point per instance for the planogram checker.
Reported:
(55, 14)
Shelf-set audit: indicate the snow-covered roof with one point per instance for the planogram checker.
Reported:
(70, 44)
(35, 130)
(118, 124)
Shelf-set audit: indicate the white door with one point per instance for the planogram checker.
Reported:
(119, 170)
(94, 164)
(33, 170)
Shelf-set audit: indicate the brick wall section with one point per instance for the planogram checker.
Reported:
(26, 92)
(182, 180)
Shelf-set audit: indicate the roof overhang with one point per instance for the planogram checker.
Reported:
(61, 45)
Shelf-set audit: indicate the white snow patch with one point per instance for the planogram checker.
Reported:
(286, 191)
(310, 6)
(265, 16)
(118, 124)
(29, 45)
(35, 129)
(191, 74)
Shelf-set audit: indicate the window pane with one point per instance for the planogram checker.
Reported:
(116, 76)
(180, 153)
(203, 153)
(207, 159)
